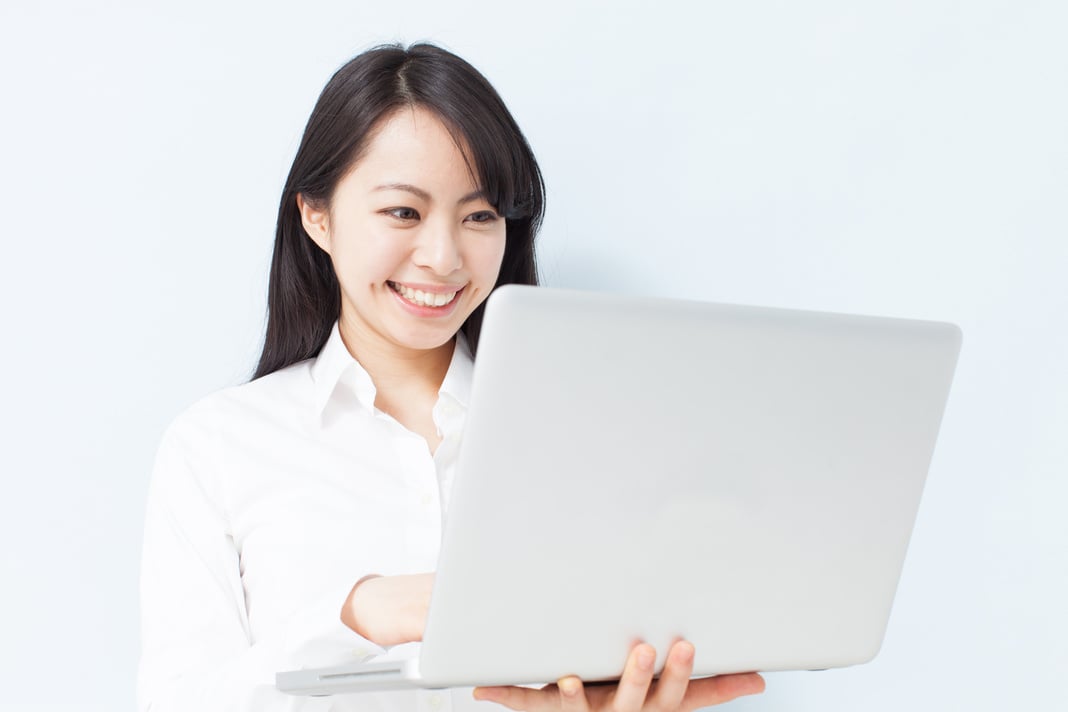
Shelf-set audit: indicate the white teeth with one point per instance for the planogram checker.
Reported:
(424, 299)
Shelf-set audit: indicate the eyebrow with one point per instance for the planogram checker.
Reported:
(422, 194)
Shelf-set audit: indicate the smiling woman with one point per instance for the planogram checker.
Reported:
(415, 244)
(293, 521)
(416, 248)
(451, 109)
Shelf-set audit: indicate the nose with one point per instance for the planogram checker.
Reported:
(438, 249)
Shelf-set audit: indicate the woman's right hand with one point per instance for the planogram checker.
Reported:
(636, 690)
(389, 610)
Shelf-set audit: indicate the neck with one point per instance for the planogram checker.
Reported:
(396, 370)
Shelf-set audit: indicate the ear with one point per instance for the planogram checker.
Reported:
(316, 222)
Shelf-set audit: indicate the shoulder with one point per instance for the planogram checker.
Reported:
(241, 415)
(218, 444)
(284, 391)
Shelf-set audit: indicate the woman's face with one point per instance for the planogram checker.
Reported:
(415, 245)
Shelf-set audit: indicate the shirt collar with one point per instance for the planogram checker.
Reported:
(450, 411)
(457, 382)
(335, 365)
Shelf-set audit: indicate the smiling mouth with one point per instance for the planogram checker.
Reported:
(424, 299)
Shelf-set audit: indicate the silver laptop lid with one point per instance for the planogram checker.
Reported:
(743, 477)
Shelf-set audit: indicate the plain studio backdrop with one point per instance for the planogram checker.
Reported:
(896, 158)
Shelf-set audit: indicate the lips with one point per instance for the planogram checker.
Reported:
(435, 299)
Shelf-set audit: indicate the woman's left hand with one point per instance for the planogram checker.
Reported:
(635, 691)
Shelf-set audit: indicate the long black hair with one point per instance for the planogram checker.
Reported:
(303, 296)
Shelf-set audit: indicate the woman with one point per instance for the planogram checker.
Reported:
(293, 521)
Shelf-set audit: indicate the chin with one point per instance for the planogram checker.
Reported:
(426, 340)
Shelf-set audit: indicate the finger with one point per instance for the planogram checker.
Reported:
(723, 688)
(671, 687)
(572, 695)
(637, 675)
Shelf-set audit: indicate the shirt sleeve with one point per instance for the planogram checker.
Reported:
(196, 649)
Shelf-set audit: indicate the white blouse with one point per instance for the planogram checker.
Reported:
(268, 502)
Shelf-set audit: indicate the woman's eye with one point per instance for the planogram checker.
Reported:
(482, 216)
(403, 213)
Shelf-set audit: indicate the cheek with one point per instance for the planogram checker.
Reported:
(371, 259)
(488, 258)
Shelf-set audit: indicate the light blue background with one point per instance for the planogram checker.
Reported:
(897, 158)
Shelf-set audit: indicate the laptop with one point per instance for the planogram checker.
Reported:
(634, 468)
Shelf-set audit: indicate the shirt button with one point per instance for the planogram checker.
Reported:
(436, 701)
(426, 500)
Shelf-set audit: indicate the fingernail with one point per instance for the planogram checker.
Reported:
(683, 653)
(569, 687)
(646, 659)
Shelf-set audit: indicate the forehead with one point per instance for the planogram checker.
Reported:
(413, 146)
